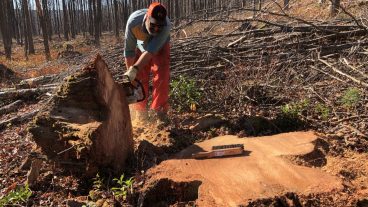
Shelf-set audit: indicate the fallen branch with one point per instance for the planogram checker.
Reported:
(353, 68)
(10, 107)
(18, 119)
(344, 74)
(24, 93)
(357, 131)
(350, 118)
(35, 82)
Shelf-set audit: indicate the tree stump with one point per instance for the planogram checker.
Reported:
(87, 123)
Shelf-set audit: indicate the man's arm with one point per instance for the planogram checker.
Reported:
(133, 68)
(129, 61)
(130, 46)
(153, 47)
(143, 60)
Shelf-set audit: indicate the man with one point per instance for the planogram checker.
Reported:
(147, 50)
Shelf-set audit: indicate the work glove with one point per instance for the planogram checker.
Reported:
(132, 72)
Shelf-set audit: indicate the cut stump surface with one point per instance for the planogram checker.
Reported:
(262, 171)
(87, 123)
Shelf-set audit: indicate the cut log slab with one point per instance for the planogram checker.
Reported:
(267, 168)
(87, 123)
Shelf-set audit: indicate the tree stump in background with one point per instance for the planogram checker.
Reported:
(87, 123)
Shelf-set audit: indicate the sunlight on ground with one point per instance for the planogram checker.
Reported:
(36, 65)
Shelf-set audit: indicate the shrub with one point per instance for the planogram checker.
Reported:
(294, 109)
(184, 93)
(322, 110)
(16, 197)
(124, 188)
(351, 98)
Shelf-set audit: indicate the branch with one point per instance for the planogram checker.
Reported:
(344, 74)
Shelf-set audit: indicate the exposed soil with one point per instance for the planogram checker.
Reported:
(326, 167)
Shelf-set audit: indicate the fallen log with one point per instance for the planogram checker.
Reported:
(17, 119)
(10, 107)
(24, 93)
(35, 82)
(87, 122)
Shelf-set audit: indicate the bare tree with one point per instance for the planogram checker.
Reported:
(66, 21)
(116, 19)
(47, 17)
(335, 5)
(44, 29)
(98, 19)
(5, 27)
(91, 11)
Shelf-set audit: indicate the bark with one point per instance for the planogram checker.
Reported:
(44, 29)
(71, 18)
(35, 82)
(57, 18)
(254, 8)
(335, 5)
(24, 93)
(87, 122)
(28, 28)
(109, 27)
(116, 17)
(17, 119)
(98, 20)
(66, 21)
(10, 107)
(14, 20)
(47, 18)
(5, 28)
(91, 12)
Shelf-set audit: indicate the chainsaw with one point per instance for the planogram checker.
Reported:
(133, 89)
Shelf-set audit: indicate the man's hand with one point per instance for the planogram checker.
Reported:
(132, 72)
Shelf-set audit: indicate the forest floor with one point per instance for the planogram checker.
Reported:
(223, 108)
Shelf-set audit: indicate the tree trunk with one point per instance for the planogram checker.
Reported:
(116, 19)
(335, 5)
(91, 11)
(98, 22)
(25, 28)
(14, 21)
(44, 29)
(254, 8)
(5, 27)
(66, 21)
(71, 17)
(57, 17)
(28, 27)
(109, 27)
(47, 18)
(10, 107)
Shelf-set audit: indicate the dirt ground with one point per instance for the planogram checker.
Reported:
(319, 164)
